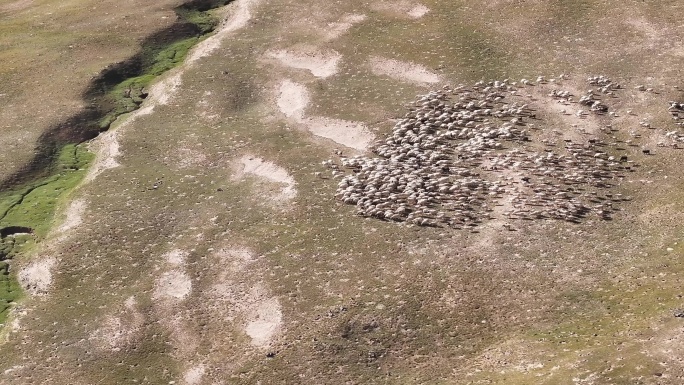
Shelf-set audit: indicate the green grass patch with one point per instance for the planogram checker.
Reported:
(205, 21)
(34, 207)
(127, 96)
(10, 292)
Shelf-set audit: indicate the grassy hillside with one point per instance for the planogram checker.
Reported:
(213, 249)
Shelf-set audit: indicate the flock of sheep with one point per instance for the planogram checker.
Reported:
(467, 154)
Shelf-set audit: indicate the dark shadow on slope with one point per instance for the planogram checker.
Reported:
(192, 22)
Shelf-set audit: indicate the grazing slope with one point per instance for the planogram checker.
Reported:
(214, 239)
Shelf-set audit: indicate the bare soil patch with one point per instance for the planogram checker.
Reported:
(321, 63)
(250, 165)
(36, 278)
(173, 285)
(339, 28)
(293, 98)
(403, 71)
(239, 14)
(74, 214)
(264, 322)
(194, 375)
(347, 133)
(16, 6)
(407, 9)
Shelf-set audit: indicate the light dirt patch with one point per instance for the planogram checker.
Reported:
(264, 322)
(234, 293)
(194, 375)
(510, 357)
(403, 71)
(189, 157)
(161, 92)
(74, 214)
(205, 109)
(106, 149)
(347, 133)
(175, 257)
(652, 34)
(173, 285)
(36, 278)
(667, 346)
(418, 11)
(293, 98)
(184, 340)
(239, 16)
(494, 228)
(269, 171)
(576, 128)
(408, 9)
(339, 28)
(106, 146)
(321, 64)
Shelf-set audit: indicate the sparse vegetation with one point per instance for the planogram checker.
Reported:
(179, 249)
(33, 205)
(130, 93)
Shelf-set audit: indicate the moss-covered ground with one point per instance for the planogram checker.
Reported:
(33, 207)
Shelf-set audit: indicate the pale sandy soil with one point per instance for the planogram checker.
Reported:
(162, 91)
(293, 98)
(339, 28)
(250, 165)
(238, 258)
(193, 376)
(347, 133)
(407, 9)
(264, 322)
(74, 215)
(36, 278)
(321, 63)
(403, 71)
(106, 149)
(175, 257)
(418, 11)
(240, 12)
(205, 109)
(174, 285)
